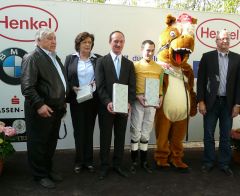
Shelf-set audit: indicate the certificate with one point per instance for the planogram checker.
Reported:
(85, 93)
(120, 98)
(152, 92)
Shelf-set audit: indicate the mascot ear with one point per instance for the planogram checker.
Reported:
(194, 21)
(170, 20)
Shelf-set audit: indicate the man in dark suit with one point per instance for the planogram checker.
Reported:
(108, 73)
(218, 98)
(44, 86)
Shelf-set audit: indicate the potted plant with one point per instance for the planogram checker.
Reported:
(6, 148)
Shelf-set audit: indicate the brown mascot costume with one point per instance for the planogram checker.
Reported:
(179, 99)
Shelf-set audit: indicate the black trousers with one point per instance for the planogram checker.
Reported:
(107, 122)
(83, 120)
(42, 136)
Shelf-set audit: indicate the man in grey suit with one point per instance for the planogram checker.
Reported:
(218, 98)
(108, 73)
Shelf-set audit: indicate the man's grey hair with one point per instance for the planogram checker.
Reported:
(42, 33)
(223, 31)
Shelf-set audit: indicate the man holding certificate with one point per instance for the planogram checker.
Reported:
(113, 69)
(148, 90)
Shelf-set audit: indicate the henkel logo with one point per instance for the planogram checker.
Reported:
(207, 31)
(20, 22)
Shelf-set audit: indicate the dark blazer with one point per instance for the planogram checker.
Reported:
(70, 64)
(106, 76)
(208, 79)
(40, 81)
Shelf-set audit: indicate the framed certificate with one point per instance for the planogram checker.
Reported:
(85, 93)
(152, 92)
(120, 98)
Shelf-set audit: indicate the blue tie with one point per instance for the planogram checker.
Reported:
(117, 65)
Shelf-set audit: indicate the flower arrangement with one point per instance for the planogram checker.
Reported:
(6, 134)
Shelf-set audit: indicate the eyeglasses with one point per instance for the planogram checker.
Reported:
(224, 39)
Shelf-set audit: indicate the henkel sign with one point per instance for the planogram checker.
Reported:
(206, 32)
(22, 26)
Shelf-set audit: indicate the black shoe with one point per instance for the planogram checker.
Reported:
(146, 167)
(47, 183)
(133, 168)
(103, 174)
(227, 171)
(90, 168)
(120, 172)
(78, 168)
(206, 168)
(54, 176)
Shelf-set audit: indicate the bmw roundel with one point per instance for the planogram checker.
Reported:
(10, 65)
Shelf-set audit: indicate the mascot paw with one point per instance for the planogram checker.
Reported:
(162, 165)
(179, 164)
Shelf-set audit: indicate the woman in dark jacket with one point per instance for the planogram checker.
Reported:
(80, 69)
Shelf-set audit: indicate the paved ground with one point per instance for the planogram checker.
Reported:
(17, 181)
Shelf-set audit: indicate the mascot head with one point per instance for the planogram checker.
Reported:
(166, 37)
(181, 44)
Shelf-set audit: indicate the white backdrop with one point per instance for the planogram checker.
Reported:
(19, 20)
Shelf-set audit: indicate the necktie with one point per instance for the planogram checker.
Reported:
(223, 68)
(117, 65)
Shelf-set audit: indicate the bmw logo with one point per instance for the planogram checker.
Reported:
(10, 65)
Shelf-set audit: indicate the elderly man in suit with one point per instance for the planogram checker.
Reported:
(218, 99)
(108, 73)
(44, 86)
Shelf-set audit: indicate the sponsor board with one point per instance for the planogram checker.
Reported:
(206, 31)
(10, 65)
(23, 25)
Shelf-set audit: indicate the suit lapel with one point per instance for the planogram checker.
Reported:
(53, 66)
(216, 63)
(74, 68)
(63, 71)
(62, 67)
(93, 61)
(230, 65)
(122, 70)
(112, 66)
(48, 58)
(44, 54)
(74, 64)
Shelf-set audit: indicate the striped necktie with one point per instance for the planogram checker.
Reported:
(223, 69)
